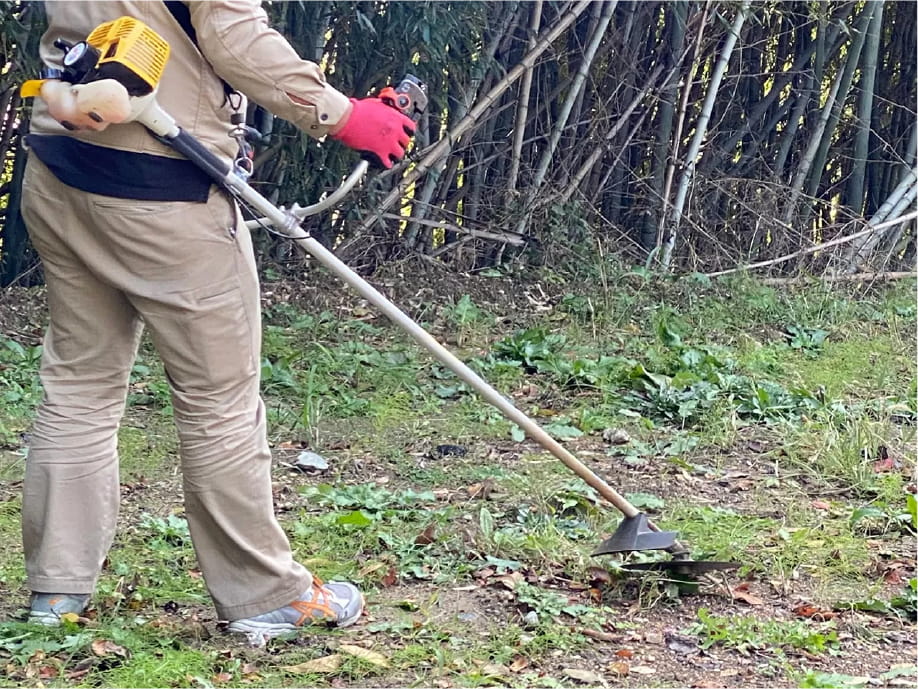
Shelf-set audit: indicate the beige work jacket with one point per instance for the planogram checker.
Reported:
(235, 43)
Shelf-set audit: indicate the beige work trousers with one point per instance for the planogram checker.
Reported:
(187, 272)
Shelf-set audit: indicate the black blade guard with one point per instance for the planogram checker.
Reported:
(633, 534)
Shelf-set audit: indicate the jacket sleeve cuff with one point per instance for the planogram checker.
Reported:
(326, 112)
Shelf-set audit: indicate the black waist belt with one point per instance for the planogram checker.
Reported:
(122, 174)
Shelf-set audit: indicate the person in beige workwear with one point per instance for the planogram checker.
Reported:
(130, 234)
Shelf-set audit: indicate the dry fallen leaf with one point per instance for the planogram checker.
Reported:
(365, 654)
(620, 668)
(493, 670)
(681, 644)
(481, 490)
(510, 580)
(820, 505)
(104, 647)
(371, 568)
(811, 611)
(48, 672)
(250, 672)
(624, 653)
(585, 676)
(741, 592)
(427, 536)
(519, 663)
(653, 638)
(222, 678)
(390, 579)
(319, 665)
(77, 674)
(599, 576)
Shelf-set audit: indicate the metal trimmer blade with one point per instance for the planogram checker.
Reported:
(681, 567)
(633, 534)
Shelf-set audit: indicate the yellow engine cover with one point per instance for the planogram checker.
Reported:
(133, 44)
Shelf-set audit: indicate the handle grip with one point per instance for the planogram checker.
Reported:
(409, 96)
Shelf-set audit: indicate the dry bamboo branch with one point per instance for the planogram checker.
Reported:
(437, 151)
(505, 237)
(603, 147)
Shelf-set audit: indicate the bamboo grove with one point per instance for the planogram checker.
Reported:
(679, 135)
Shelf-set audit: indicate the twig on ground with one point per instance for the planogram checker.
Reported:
(600, 636)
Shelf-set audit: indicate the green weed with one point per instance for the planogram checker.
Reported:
(905, 604)
(12, 567)
(808, 340)
(20, 390)
(466, 317)
(747, 634)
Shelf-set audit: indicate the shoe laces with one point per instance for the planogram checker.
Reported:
(319, 603)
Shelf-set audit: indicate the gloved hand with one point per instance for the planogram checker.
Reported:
(377, 130)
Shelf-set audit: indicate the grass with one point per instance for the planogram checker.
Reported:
(860, 365)
(774, 428)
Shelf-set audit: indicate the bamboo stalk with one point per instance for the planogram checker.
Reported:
(589, 54)
(806, 162)
(522, 110)
(602, 24)
(701, 128)
(855, 189)
(852, 61)
(680, 123)
(903, 197)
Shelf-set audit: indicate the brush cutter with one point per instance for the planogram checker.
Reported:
(117, 83)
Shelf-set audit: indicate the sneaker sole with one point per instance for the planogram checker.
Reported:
(48, 619)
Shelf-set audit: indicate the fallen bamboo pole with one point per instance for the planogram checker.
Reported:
(855, 277)
(819, 247)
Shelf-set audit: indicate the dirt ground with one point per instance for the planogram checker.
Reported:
(641, 645)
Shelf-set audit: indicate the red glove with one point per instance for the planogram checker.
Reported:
(377, 130)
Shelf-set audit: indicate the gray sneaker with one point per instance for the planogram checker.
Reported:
(336, 604)
(47, 608)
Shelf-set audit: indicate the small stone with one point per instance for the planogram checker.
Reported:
(616, 436)
(451, 451)
(653, 638)
(310, 461)
(531, 619)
